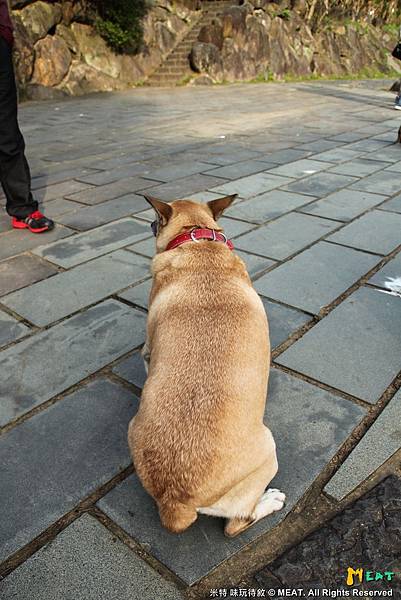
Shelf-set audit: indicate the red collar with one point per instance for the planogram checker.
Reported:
(199, 234)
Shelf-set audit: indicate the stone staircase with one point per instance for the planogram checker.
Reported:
(176, 68)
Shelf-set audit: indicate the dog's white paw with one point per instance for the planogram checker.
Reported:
(271, 501)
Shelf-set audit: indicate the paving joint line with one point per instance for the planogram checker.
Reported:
(136, 547)
(46, 536)
(104, 371)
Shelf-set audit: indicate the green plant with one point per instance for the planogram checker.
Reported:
(285, 14)
(392, 28)
(119, 22)
(263, 76)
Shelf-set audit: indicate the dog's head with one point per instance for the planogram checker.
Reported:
(180, 216)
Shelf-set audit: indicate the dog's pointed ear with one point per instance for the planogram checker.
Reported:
(163, 209)
(219, 205)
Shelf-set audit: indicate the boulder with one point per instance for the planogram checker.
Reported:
(52, 61)
(95, 52)
(131, 71)
(39, 18)
(68, 36)
(163, 37)
(68, 12)
(238, 64)
(257, 41)
(23, 53)
(206, 58)
(234, 20)
(175, 25)
(83, 79)
(212, 34)
(41, 92)
(201, 80)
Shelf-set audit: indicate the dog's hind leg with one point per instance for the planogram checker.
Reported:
(248, 502)
(175, 516)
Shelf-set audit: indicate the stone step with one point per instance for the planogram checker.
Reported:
(176, 65)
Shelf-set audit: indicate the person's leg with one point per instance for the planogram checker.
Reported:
(15, 177)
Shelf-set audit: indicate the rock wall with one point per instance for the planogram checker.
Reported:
(57, 53)
(262, 39)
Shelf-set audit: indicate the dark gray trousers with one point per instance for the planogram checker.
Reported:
(15, 177)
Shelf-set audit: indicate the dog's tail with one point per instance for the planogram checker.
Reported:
(176, 516)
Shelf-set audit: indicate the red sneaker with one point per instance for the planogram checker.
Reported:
(35, 222)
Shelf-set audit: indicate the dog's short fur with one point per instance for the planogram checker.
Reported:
(198, 440)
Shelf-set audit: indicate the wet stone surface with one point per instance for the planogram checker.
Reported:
(318, 209)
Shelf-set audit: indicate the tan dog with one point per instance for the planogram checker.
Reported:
(198, 441)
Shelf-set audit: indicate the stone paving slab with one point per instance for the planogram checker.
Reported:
(86, 562)
(381, 182)
(57, 176)
(11, 329)
(82, 443)
(287, 155)
(176, 172)
(111, 210)
(146, 215)
(370, 145)
(360, 167)
(321, 145)
(221, 156)
(356, 348)
(246, 187)
(182, 188)
(298, 413)
(393, 205)
(90, 282)
(267, 206)
(254, 264)
(300, 168)
(320, 185)
(85, 246)
(316, 277)
(58, 207)
(390, 271)
(132, 369)
(15, 241)
(232, 228)
(120, 172)
(49, 362)
(344, 205)
(98, 194)
(286, 235)
(378, 444)
(147, 247)
(283, 321)
(4, 220)
(242, 169)
(139, 294)
(389, 154)
(58, 190)
(350, 136)
(394, 167)
(377, 231)
(338, 155)
(22, 271)
(367, 534)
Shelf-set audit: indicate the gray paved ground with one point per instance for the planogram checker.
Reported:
(318, 224)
